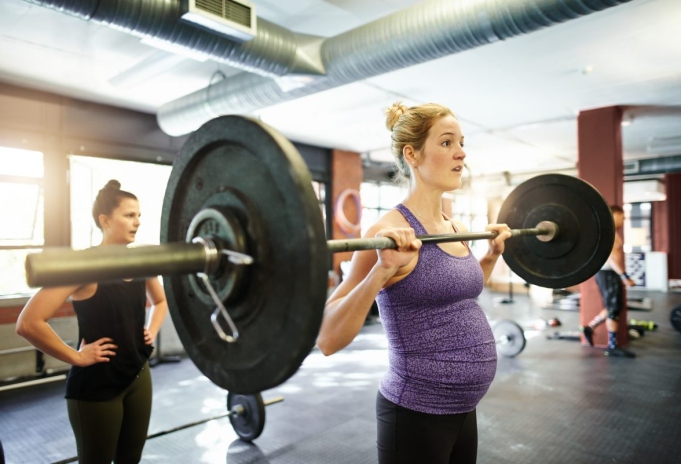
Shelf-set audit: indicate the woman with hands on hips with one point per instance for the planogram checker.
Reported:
(108, 388)
(442, 353)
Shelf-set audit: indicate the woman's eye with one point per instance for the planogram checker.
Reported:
(446, 143)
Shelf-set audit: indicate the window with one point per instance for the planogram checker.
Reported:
(145, 180)
(471, 211)
(22, 210)
(637, 227)
(320, 191)
(378, 199)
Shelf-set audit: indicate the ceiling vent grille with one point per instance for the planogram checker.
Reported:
(631, 167)
(235, 19)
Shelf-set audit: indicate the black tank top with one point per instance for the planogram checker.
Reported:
(117, 310)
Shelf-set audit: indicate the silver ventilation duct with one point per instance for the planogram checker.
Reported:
(283, 65)
(275, 51)
(424, 32)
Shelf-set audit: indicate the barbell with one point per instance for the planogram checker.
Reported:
(245, 260)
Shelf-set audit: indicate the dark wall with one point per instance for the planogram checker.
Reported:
(673, 188)
(47, 122)
(58, 126)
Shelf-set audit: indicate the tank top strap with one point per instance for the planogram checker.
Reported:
(411, 219)
(456, 230)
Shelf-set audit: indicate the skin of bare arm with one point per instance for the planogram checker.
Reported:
(497, 246)
(349, 304)
(616, 258)
(158, 311)
(32, 325)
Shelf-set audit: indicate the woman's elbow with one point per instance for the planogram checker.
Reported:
(22, 328)
(326, 345)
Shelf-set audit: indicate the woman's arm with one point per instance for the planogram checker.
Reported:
(348, 306)
(496, 248)
(32, 325)
(158, 311)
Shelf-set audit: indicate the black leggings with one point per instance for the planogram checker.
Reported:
(113, 430)
(410, 437)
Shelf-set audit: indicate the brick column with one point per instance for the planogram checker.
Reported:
(599, 162)
(346, 173)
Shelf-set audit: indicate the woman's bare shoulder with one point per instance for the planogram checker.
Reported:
(392, 218)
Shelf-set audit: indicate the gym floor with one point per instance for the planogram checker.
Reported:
(556, 402)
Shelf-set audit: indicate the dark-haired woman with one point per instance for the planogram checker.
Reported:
(108, 389)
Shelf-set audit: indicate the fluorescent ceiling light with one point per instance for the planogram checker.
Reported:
(175, 49)
(152, 66)
(665, 145)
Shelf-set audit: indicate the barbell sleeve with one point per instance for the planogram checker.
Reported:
(65, 266)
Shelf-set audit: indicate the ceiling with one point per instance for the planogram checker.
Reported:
(518, 99)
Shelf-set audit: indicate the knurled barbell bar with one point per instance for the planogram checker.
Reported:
(242, 238)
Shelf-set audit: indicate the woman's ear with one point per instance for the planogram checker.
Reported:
(409, 155)
(102, 220)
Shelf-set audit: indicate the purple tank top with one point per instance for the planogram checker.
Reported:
(442, 353)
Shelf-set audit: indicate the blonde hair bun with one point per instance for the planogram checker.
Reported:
(393, 114)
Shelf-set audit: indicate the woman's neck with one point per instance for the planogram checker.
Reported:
(105, 242)
(427, 207)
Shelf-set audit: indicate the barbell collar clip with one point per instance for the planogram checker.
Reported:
(237, 258)
(220, 310)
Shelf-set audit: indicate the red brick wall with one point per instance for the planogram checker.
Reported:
(346, 173)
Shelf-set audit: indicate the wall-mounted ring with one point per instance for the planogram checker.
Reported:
(345, 225)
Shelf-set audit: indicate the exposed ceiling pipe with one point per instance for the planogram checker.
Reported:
(282, 65)
(424, 32)
(650, 166)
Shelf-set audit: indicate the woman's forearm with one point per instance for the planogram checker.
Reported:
(487, 264)
(157, 315)
(41, 335)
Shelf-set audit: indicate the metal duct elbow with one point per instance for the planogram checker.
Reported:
(273, 52)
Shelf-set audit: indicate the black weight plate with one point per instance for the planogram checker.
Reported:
(243, 166)
(675, 318)
(586, 230)
(250, 422)
(509, 336)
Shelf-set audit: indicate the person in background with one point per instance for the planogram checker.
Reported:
(108, 388)
(442, 352)
(610, 280)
